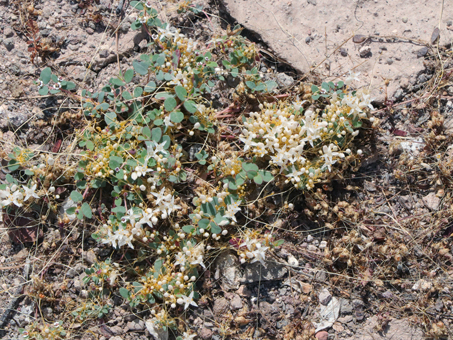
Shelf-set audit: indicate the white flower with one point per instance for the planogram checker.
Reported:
(30, 192)
(168, 122)
(166, 32)
(119, 238)
(259, 255)
(131, 216)
(352, 76)
(187, 301)
(180, 259)
(9, 197)
(329, 154)
(232, 209)
(187, 336)
(146, 218)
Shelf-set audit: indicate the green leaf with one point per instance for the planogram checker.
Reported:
(188, 229)
(71, 211)
(208, 208)
(146, 132)
(13, 165)
(258, 179)
(46, 75)
(267, 176)
(250, 84)
(86, 210)
(117, 82)
(128, 75)
(110, 118)
(203, 223)
(43, 91)
(150, 87)
(156, 134)
(125, 293)
(181, 92)
(115, 162)
(215, 229)
(158, 265)
(138, 91)
(76, 196)
(250, 167)
(90, 145)
(279, 243)
(170, 104)
(314, 89)
(190, 106)
(140, 67)
(176, 116)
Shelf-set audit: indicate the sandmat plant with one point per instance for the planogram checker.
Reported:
(163, 177)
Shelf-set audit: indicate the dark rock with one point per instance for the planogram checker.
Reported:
(343, 52)
(422, 52)
(9, 44)
(256, 272)
(104, 53)
(89, 30)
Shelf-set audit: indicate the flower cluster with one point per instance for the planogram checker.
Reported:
(17, 195)
(304, 144)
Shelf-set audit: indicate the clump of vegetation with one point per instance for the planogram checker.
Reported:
(163, 177)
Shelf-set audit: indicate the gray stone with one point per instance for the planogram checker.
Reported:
(104, 53)
(77, 284)
(256, 272)
(343, 52)
(136, 325)
(45, 32)
(9, 44)
(284, 80)
(227, 269)
(346, 307)
(423, 78)
(399, 94)
(422, 52)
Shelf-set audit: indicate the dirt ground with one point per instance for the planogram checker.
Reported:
(368, 256)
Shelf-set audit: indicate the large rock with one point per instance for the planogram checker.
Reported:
(319, 33)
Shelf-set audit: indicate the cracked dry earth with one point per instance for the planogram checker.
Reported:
(304, 291)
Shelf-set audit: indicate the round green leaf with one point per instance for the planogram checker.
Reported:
(176, 117)
(128, 75)
(46, 75)
(170, 104)
(181, 92)
(86, 210)
(76, 196)
(190, 106)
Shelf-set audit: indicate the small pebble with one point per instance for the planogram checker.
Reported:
(404, 19)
